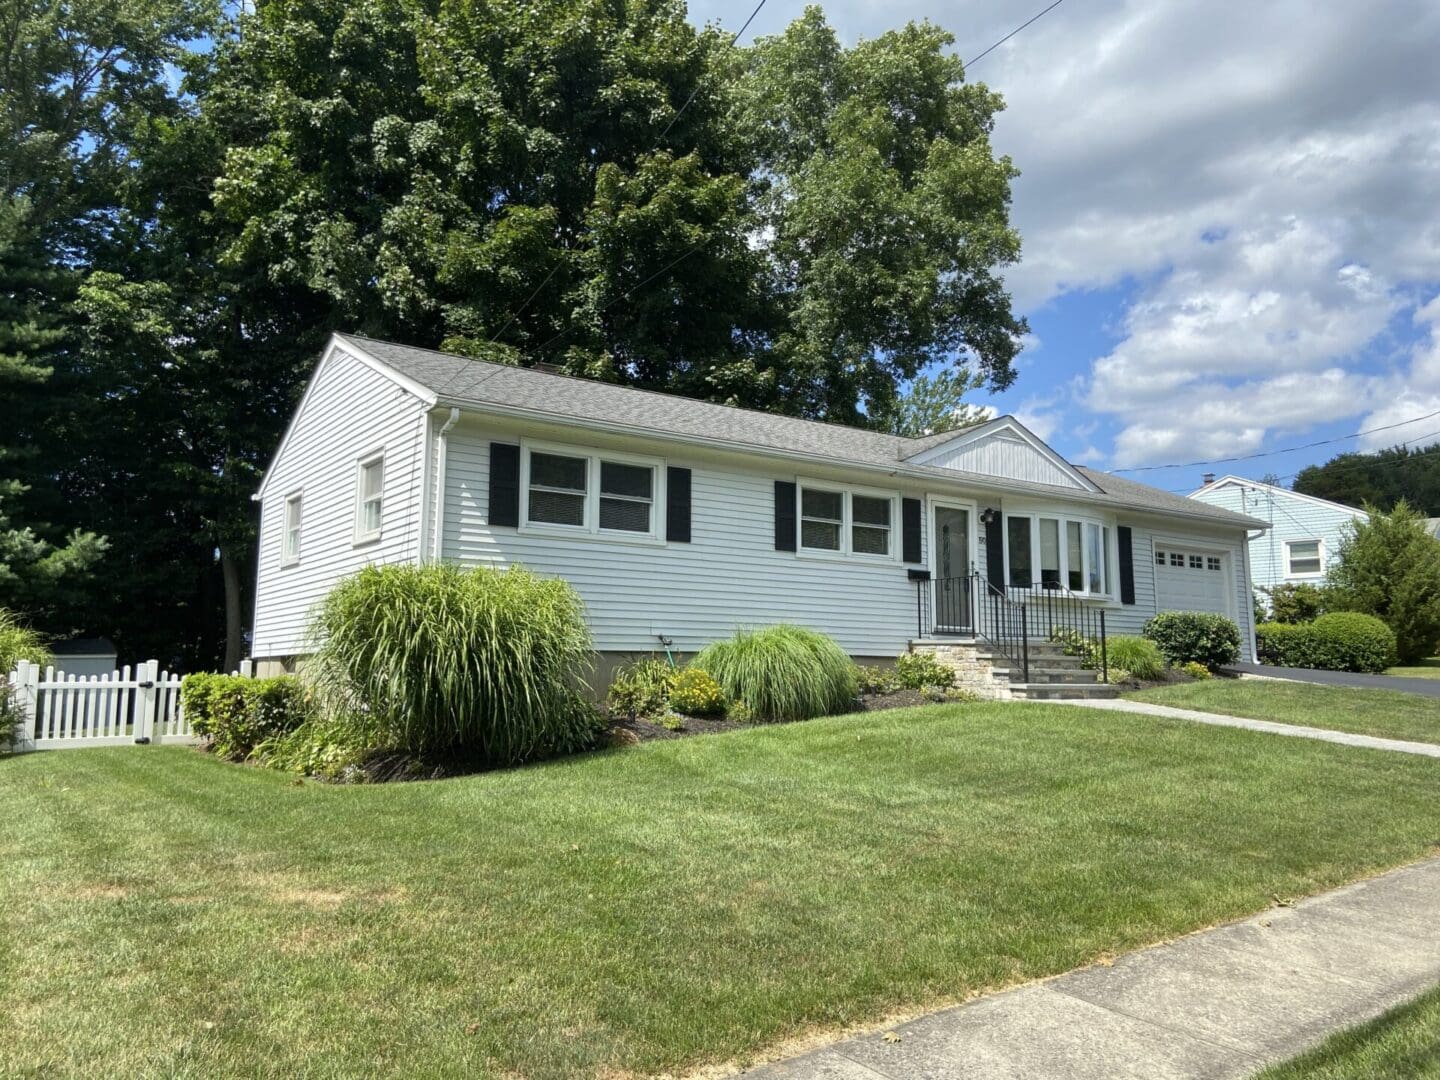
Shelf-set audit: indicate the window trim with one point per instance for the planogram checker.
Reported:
(363, 535)
(846, 492)
(296, 499)
(590, 529)
(1109, 545)
(1309, 575)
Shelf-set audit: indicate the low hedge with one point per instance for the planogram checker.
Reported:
(234, 714)
(1340, 641)
(1200, 637)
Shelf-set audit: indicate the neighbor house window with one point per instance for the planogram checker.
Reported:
(558, 486)
(1302, 557)
(840, 521)
(1056, 552)
(590, 492)
(290, 540)
(370, 507)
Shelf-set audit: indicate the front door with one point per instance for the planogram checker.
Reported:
(953, 605)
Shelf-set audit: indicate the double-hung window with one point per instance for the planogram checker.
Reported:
(370, 499)
(598, 493)
(839, 521)
(1302, 558)
(290, 537)
(1051, 551)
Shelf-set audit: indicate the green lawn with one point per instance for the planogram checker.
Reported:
(1425, 669)
(652, 909)
(1404, 1044)
(1390, 714)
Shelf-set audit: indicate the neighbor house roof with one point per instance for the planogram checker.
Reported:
(463, 382)
(91, 646)
(1275, 489)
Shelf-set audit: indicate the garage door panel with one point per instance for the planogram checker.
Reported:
(1191, 579)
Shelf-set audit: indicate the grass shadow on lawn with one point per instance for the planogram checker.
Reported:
(656, 909)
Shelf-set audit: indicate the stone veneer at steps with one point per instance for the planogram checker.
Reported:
(990, 674)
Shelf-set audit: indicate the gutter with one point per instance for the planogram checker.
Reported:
(972, 480)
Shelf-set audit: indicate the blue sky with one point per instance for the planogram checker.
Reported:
(1229, 211)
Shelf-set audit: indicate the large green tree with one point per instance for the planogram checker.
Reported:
(1381, 479)
(75, 78)
(1389, 567)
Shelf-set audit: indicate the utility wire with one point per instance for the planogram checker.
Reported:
(1285, 450)
(1012, 33)
(1352, 466)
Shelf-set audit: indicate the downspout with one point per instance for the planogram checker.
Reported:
(438, 541)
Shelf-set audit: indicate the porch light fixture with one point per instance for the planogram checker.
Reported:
(989, 516)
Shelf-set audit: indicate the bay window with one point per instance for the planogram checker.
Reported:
(1053, 551)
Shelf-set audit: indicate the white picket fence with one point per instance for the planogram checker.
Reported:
(139, 706)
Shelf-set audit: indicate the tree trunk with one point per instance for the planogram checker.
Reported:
(234, 628)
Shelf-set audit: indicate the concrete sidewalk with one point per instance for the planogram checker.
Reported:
(1217, 1004)
(1346, 738)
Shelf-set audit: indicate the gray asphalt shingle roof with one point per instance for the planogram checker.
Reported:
(457, 380)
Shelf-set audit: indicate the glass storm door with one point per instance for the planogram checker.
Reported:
(952, 570)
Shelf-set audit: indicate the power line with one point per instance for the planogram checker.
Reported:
(679, 113)
(1012, 33)
(1286, 450)
(1349, 466)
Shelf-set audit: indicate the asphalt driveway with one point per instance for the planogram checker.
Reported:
(1426, 687)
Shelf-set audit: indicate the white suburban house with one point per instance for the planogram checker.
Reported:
(1303, 533)
(680, 521)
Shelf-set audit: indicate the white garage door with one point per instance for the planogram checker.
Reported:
(1188, 579)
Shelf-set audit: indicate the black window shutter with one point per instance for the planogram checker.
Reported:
(504, 484)
(910, 530)
(677, 505)
(1127, 564)
(784, 515)
(995, 552)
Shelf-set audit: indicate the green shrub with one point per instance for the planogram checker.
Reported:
(696, 693)
(921, 670)
(739, 712)
(873, 679)
(1389, 567)
(1339, 641)
(18, 642)
(1295, 603)
(783, 672)
(481, 663)
(1136, 655)
(1196, 670)
(235, 714)
(641, 689)
(1077, 644)
(1199, 636)
(324, 746)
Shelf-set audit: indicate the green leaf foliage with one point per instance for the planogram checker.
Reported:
(1201, 637)
(922, 671)
(1389, 567)
(782, 673)
(19, 642)
(1137, 655)
(236, 714)
(1295, 603)
(641, 689)
(485, 664)
(1340, 641)
(1409, 474)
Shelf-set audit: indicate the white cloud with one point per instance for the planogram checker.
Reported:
(1407, 416)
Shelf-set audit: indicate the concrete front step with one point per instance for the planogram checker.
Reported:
(1038, 691)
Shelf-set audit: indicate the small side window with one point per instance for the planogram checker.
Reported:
(1159, 557)
(370, 504)
(1212, 562)
(290, 540)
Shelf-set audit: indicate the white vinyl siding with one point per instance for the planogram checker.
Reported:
(1001, 453)
(349, 412)
(728, 577)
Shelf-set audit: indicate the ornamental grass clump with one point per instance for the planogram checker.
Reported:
(782, 672)
(437, 660)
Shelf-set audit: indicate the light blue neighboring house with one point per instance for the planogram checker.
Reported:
(1303, 540)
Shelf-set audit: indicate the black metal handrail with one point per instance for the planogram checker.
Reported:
(1007, 617)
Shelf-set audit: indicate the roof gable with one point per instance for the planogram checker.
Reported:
(1231, 481)
(1003, 447)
